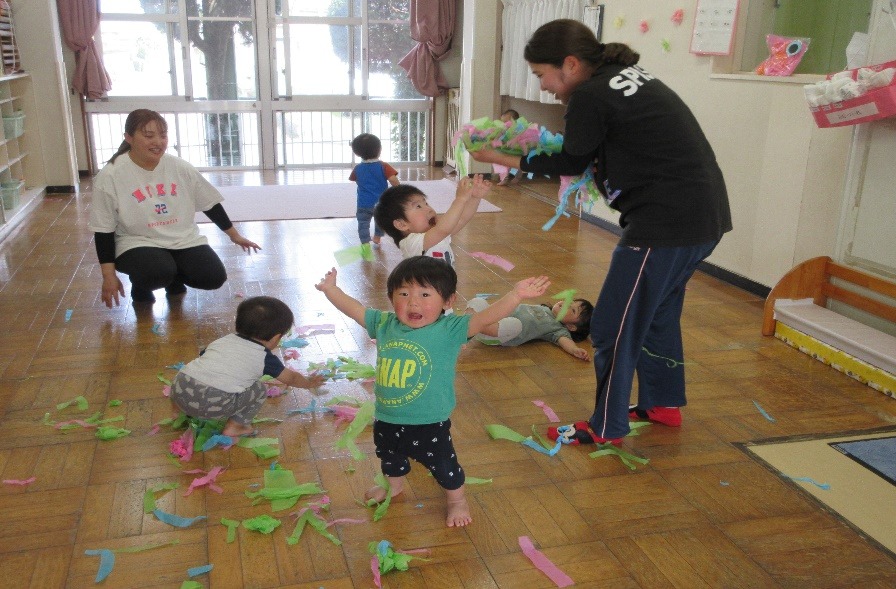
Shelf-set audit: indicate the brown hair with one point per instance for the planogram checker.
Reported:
(553, 42)
(137, 120)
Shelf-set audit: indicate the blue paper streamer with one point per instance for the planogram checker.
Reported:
(763, 412)
(822, 486)
(383, 547)
(176, 520)
(107, 561)
(536, 446)
(217, 440)
(294, 343)
(68, 314)
(156, 328)
(196, 571)
(176, 366)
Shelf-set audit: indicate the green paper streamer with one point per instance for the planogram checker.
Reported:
(191, 585)
(107, 433)
(477, 481)
(502, 432)
(281, 489)
(80, 401)
(262, 523)
(309, 517)
(164, 380)
(114, 403)
(362, 419)
(626, 458)
(381, 508)
(566, 296)
(264, 448)
(232, 525)
(149, 498)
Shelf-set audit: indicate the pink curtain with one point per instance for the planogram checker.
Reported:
(432, 26)
(80, 19)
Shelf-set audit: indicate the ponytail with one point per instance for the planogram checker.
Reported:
(553, 42)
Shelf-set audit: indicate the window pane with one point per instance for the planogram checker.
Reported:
(136, 56)
(309, 138)
(389, 10)
(217, 139)
(318, 8)
(388, 44)
(319, 59)
(229, 9)
(139, 7)
(226, 69)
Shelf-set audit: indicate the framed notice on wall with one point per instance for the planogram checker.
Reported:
(714, 22)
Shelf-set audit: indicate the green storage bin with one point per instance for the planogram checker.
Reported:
(14, 124)
(11, 191)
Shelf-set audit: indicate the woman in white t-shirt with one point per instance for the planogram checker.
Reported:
(143, 218)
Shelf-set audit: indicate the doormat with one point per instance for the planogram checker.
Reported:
(864, 500)
(878, 455)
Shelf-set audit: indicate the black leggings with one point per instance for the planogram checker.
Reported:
(151, 268)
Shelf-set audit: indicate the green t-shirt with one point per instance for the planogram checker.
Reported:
(415, 368)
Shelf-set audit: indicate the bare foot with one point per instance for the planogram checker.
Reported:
(378, 494)
(458, 509)
(234, 429)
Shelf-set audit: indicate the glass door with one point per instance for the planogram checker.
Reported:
(261, 83)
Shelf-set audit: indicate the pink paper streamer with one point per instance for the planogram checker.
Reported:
(274, 392)
(678, 16)
(19, 482)
(154, 430)
(208, 479)
(549, 413)
(183, 446)
(291, 354)
(166, 391)
(493, 259)
(644, 26)
(542, 563)
(346, 520)
(343, 413)
(306, 330)
(375, 567)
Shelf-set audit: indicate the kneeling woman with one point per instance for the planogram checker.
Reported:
(143, 218)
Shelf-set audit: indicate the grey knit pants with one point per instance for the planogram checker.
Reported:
(205, 402)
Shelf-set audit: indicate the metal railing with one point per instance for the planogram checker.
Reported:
(232, 140)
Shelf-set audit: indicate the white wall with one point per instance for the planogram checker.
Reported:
(39, 41)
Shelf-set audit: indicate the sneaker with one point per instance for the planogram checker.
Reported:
(174, 289)
(670, 416)
(579, 433)
(142, 295)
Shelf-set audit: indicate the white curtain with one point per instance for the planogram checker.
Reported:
(519, 20)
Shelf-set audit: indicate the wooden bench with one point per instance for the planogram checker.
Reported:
(797, 312)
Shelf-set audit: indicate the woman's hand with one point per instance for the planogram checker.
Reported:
(112, 289)
(247, 244)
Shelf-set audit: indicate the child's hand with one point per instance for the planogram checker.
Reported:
(580, 353)
(464, 188)
(532, 287)
(481, 186)
(328, 281)
(315, 380)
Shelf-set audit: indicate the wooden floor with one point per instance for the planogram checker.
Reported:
(702, 513)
